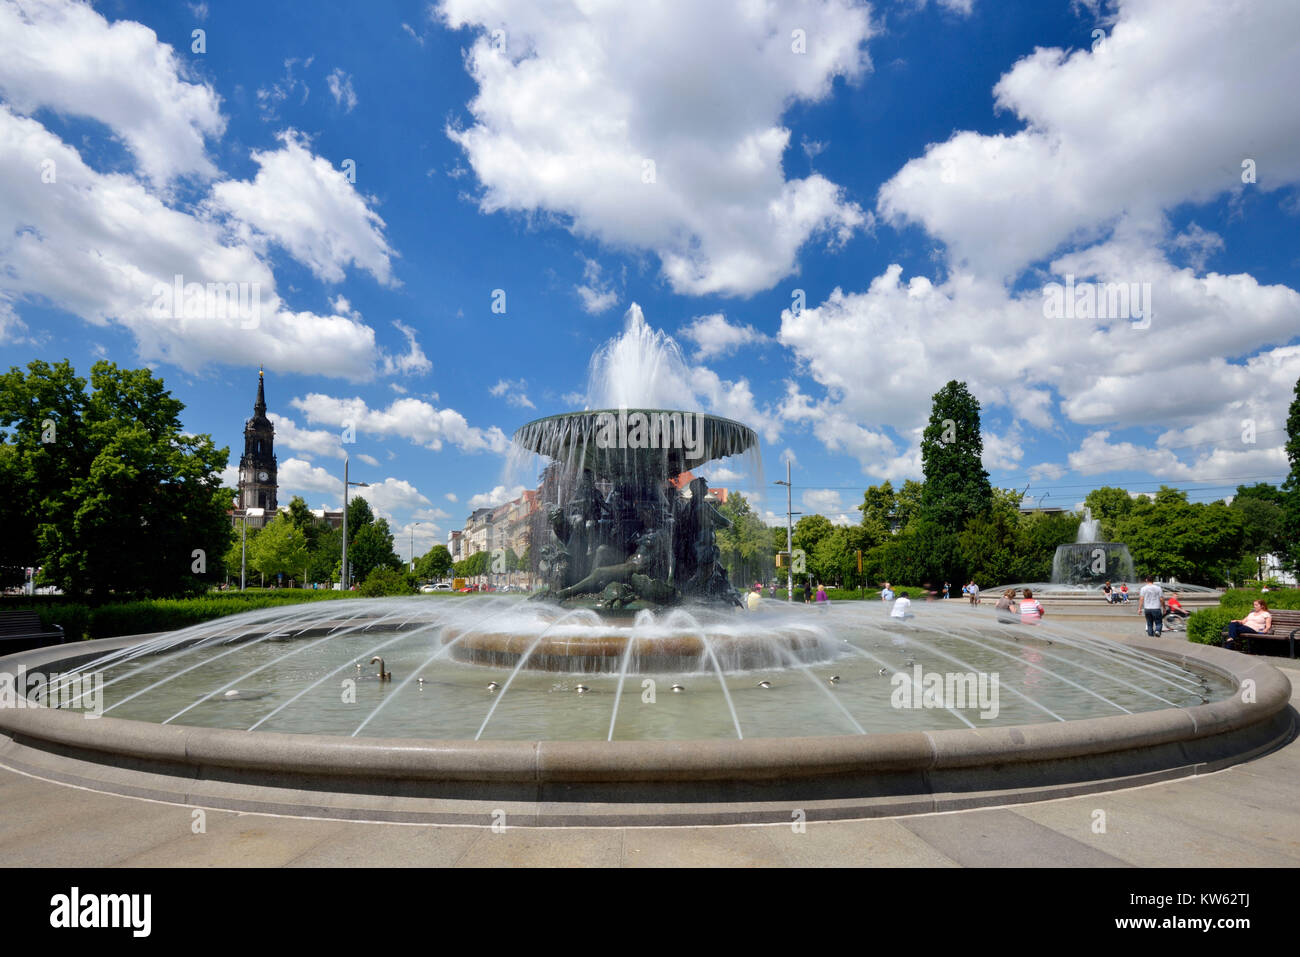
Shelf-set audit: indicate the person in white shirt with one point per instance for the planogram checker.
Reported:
(901, 606)
(1152, 607)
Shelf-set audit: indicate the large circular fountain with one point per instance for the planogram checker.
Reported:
(634, 689)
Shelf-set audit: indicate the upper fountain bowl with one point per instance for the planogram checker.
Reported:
(613, 441)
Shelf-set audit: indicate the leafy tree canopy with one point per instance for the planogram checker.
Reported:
(105, 491)
(956, 484)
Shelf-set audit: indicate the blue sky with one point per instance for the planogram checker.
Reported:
(914, 174)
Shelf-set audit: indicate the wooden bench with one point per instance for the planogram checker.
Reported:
(22, 631)
(1286, 626)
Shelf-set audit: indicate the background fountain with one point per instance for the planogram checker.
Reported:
(1090, 561)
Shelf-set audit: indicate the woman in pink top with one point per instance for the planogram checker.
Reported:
(1258, 622)
(1031, 610)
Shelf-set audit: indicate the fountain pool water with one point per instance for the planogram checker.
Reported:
(308, 671)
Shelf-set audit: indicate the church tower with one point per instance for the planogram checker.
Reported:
(257, 483)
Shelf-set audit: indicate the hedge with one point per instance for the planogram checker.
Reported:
(159, 614)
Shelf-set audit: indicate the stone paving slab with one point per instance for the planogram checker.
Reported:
(737, 846)
(390, 845)
(1003, 838)
(1156, 830)
(545, 847)
(235, 840)
(875, 843)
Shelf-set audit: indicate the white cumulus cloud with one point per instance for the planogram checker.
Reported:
(658, 126)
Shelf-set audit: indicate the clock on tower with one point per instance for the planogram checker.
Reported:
(257, 483)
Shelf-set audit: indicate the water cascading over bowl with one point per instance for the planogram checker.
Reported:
(630, 528)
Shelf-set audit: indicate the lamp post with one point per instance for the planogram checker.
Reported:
(789, 536)
(413, 548)
(343, 571)
(243, 548)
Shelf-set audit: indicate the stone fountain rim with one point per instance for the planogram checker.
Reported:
(620, 783)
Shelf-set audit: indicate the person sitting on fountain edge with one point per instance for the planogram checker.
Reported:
(1031, 609)
(901, 606)
(1006, 606)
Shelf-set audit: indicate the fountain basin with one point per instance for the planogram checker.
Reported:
(549, 782)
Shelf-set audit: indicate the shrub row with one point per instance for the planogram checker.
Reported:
(79, 620)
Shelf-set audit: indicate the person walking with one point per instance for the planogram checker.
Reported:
(822, 601)
(974, 591)
(886, 593)
(807, 591)
(946, 587)
(1152, 607)
(1031, 609)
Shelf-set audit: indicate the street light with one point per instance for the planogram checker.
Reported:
(413, 548)
(789, 535)
(343, 572)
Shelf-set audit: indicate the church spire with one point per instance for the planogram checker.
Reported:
(260, 408)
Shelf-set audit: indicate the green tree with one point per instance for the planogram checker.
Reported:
(326, 557)
(1262, 508)
(810, 530)
(371, 547)
(239, 544)
(280, 549)
(956, 484)
(307, 523)
(104, 490)
(435, 563)
(1039, 534)
(745, 547)
(1291, 505)
(879, 509)
(359, 513)
(1170, 537)
(1109, 504)
(473, 566)
(909, 502)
